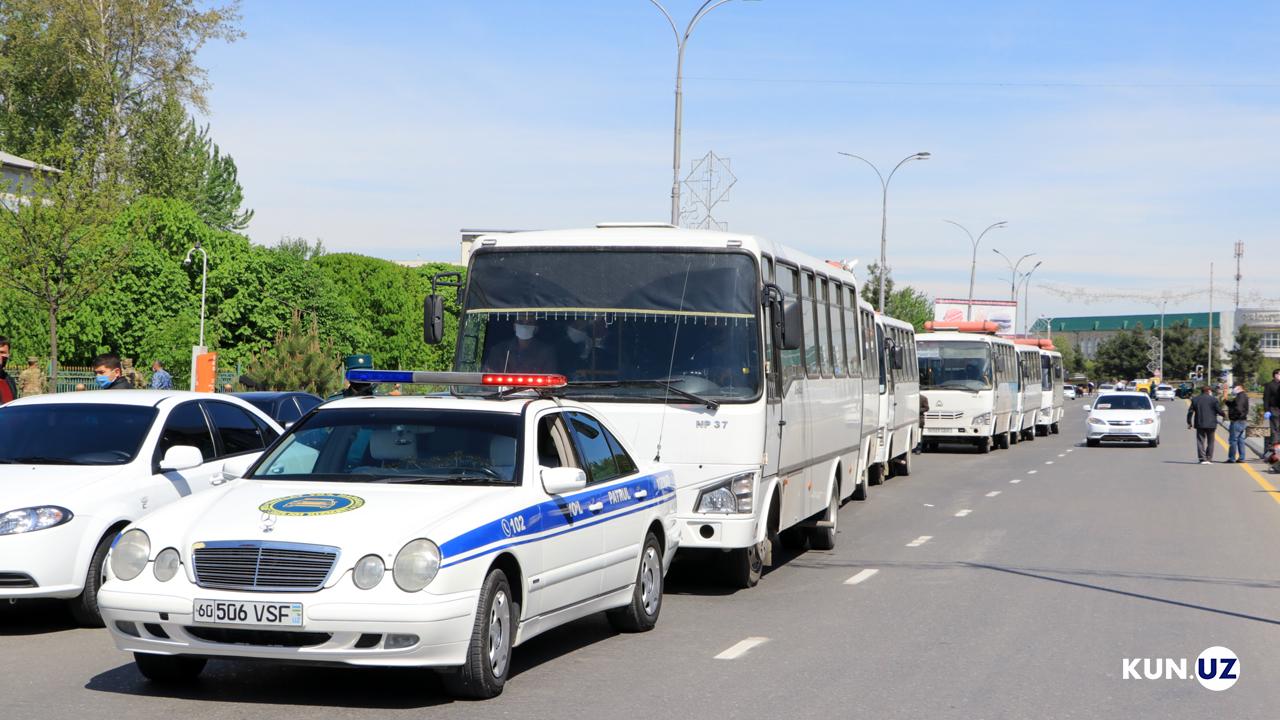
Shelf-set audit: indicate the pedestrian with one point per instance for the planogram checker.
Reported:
(1238, 415)
(924, 408)
(8, 389)
(32, 379)
(1271, 404)
(160, 378)
(129, 372)
(1203, 416)
(108, 373)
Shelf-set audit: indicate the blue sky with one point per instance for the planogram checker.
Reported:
(1127, 144)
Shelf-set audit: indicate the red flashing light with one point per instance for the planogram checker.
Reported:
(524, 380)
(966, 326)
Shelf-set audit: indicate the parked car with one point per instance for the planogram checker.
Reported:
(1165, 392)
(283, 407)
(1123, 417)
(76, 468)
(408, 531)
(1069, 392)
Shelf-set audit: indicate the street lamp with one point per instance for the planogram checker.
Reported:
(204, 278)
(973, 265)
(1013, 270)
(681, 41)
(1026, 293)
(884, 206)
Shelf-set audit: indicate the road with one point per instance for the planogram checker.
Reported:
(1009, 585)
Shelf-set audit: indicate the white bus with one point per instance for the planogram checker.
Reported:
(1051, 403)
(735, 361)
(1029, 379)
(968, 377)
(898, 403)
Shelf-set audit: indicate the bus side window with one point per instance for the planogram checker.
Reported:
(792, 360)
(821, 306)
(771, 369)
(838, 360)
(812, 361)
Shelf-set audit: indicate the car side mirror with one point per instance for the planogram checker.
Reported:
(561, 480)
(181, 457)
(237, 467)
(1087, 408)
(1159, 408)
(433, 319)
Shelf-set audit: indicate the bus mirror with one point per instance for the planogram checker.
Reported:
(899, 358)
(433, 319)
(792, 325)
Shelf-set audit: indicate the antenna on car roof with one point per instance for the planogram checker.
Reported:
(671, 363)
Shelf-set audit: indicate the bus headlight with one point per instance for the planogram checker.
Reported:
(733, 495)
(982, 419)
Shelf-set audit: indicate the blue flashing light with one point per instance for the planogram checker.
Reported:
(380, 376)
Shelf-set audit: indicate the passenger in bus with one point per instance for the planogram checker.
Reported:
(522, 352)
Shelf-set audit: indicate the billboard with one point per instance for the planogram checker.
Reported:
(1000, 312)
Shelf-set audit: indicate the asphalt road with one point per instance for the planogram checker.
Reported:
(1068, 561)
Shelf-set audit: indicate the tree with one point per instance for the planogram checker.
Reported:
(906, 304)
(1123, 355)
(54, 243)
(1246, 356)
(297, 360)
(1072, 359)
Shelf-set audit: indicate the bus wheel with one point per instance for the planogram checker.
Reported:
(904, 465)
(746, 565)
(860, 492)
(984, 445)
(1002, 441)
(875, 474)
(824, 538)
(1054, 428)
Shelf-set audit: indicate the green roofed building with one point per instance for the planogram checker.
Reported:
(1087, 332)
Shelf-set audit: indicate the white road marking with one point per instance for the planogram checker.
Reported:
(920, 541)
(1031, 472)
(962, 513)
(993, 493)
(1071, 449)
(1015, 481)
(928, 504)
(741, 648)
(862, 576)
(1062, 454)
(1048, 462)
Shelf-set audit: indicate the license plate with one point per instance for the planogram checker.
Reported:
(236, 612)
(930, 431)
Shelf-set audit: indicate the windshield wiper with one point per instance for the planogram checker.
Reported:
(669, 385)
(459, 478)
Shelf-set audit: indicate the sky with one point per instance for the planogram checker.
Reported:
(1128, 145)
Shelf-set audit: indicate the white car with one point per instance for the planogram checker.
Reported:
(1123, 417)
(1165, 392)
(76, 468)
(1106, 387)
(401, 531)
(1069, 392)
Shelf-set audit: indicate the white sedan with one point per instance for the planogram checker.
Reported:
(75, 468)
(401, 531)
(1165, 392)
(1123, 417)
(1069, 392)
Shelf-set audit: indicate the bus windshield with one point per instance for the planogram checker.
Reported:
(611, 319)
(954, 365)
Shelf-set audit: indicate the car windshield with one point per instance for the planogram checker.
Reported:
(1122, 402)
(954, 365)
(616, 321)
(398, 445)
(73, 433)
(1164, 387)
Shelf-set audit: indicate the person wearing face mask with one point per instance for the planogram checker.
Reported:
(522, 353)
(8, 388)
(108, 374)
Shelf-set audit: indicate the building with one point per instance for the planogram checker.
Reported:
(1265, 322)
(17, 177)
(1087, 332)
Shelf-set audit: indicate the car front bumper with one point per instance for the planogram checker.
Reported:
(1121, 433)
(48, 558)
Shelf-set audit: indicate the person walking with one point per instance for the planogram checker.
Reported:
(160, 378)
(1238, 415)
(31, 380)
(1271, 404)
(1203, 416)
(8, 389)
(108, 374)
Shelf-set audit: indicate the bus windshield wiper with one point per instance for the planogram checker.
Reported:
(669, 385)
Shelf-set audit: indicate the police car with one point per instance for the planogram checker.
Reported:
(402, 531)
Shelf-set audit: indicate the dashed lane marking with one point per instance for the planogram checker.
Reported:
(962, 513)
(1015, 481)
(1048, 462)
(1062, 454)
(741, 648)
(993, 493)
(920, 541)
(1031, 472)
(861, 576)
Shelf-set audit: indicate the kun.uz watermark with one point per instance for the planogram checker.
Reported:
(1217, 668)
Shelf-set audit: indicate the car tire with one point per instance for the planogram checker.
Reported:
(824, 538)
(641, 614)
(1154, 443)
(84, 607)
(1092, 443)
(488, 661)
(169, 669)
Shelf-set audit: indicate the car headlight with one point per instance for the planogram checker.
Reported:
(416, 565)
(129, 554)
(32, 519)
(1097, 421)
(734, 495)
(1147, 421)
(982, 419)
(166, 564)
(369, 571)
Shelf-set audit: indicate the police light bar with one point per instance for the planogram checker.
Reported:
(420, 377)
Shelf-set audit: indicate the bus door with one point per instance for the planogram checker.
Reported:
(883, 433)
(788, 418)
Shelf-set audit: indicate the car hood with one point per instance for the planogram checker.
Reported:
(31, 485)
(377, 518)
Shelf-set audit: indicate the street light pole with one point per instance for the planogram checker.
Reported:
(204, 283)
(973, 264)
(681, 41)
(1013, 270)
(884, 207)
(1026, 302)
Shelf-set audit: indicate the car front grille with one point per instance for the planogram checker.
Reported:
(260, 638)
(263, 566)
(943, 415)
